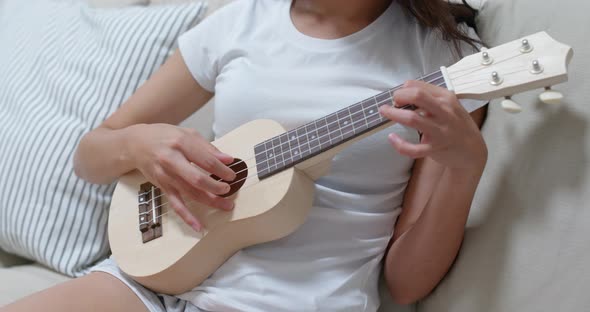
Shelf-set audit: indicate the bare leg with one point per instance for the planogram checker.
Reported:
(94, 292)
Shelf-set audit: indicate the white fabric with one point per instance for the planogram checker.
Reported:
(113, 3)
(260, 66)
(154, 302)
(64, 67)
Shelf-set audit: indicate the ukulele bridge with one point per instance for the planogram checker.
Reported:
(150, 212)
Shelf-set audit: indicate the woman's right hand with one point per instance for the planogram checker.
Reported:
(168, 156)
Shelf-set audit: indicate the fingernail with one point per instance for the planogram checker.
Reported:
(197, 227)
(222, 154)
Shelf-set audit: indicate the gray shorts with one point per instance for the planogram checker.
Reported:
(153, 301)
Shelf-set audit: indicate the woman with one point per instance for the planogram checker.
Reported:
(295, 61)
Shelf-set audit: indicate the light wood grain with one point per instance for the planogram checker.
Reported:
(265, 210)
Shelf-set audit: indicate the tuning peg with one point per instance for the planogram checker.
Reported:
(510, 106)
(551, 96)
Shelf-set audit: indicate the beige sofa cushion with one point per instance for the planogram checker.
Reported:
(526, 247)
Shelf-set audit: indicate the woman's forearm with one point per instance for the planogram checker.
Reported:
(104, 154)
(168, 97)
(419, 259)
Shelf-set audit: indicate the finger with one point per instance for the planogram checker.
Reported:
(223, 157)
(205, 198)
(408, 149)
(408, 118)
(421, 98)
(445, 97)
(208, 162)
(181, 210)
(177, 166)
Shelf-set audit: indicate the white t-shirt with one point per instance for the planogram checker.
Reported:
(260, 66)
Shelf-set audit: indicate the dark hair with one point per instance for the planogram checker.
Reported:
(445, 17)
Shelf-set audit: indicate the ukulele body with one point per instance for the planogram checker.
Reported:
(180, 259)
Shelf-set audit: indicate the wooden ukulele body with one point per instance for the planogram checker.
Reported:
(181, 258)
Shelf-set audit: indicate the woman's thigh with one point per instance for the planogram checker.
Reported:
(94, 292)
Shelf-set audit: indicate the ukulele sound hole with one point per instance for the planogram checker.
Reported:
(241, 169)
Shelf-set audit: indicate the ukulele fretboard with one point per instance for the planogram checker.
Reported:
(299, 144)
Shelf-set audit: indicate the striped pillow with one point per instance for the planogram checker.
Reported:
(64, 67)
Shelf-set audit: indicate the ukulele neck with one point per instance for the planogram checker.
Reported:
(324, 137)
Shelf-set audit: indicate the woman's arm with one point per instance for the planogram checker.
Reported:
(430, 229)
(142, 135)
(169, 96)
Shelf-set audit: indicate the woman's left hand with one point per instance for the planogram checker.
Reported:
(449, 134)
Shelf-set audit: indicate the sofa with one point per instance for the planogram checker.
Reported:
(527, 242)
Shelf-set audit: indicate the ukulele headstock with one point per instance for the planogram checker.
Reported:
(535, 61)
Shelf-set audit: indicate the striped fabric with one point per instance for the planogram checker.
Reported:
(64, 67)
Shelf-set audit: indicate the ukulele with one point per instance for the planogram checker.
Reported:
(276, 170)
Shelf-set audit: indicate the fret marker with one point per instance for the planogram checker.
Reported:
(371, 111)
(270, 155)
(142, 218)
(313, 136)
(296, 152)
(293, 138)
(346, 122)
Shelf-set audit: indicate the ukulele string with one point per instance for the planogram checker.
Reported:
(195, 201)
(396, 88)
(245, 178)
(291, 150)
(402, 107)
(376, 103)
(485, 80)
(475, 69)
